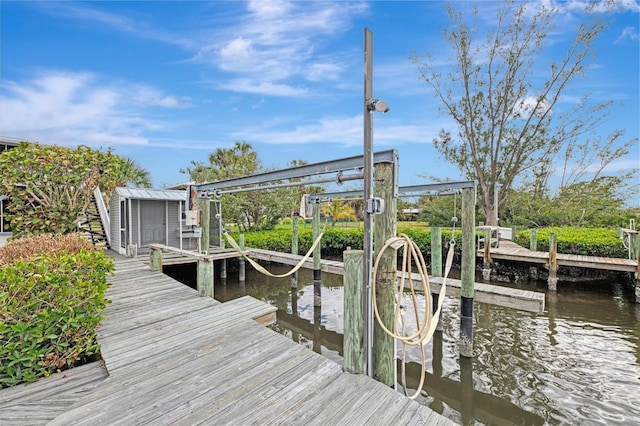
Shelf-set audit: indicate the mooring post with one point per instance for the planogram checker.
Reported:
(205, 216)
(155, 259)
(353, 311)
(634, 244)
(533, 246)
(241, 262)
(486, 256)
(294, 247)
(468, 269)
(223, 265)
(552, 281)
(205, 277)
(386, 278)
(317, 283)
(436, 265)
(533, 240)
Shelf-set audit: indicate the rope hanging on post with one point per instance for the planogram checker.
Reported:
(427, 322)
(261, 269)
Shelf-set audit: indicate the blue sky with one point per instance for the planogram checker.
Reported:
(169, 82)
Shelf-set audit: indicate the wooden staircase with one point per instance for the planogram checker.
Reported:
(95, 225)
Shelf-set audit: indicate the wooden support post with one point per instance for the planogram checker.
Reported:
(533, 240)
(436, 265)
(317, 329)
(205, 277)
(533, 246)
(552, 281)
(486, 256)
(353, 311)
(385, 228)
(468, 269)
(205, 216)
(294, 247)
(436, 251)
(241, 262)
(223, 265)
(634, 245)
(155, 259)
(317, 283)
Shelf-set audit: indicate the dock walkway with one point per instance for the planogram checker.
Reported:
(173, 357)
(508, 250)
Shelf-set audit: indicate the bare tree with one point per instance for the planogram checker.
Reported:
(506, 105)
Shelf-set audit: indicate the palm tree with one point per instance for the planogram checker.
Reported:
(132, 173)
(338, 210)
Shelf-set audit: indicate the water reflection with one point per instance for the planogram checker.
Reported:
(577, 363)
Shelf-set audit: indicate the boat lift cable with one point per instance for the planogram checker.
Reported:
(427, 321)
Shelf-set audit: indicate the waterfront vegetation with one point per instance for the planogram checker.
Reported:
(571, 240)
(52, 294)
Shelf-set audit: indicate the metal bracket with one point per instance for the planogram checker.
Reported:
(375, 205)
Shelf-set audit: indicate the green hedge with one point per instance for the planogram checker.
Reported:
(336, 240)
(583, 241)
(50, 306)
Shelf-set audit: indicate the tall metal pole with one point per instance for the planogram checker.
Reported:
(368, 195)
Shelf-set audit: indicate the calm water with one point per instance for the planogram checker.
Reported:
(577, 363)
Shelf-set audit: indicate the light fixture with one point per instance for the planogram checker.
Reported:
(377, 105)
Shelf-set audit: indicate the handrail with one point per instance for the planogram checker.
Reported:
(104, 215)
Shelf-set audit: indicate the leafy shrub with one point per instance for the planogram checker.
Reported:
(51, 301)
(583, 241)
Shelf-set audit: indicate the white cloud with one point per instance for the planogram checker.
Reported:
(345, 131)
(80, 108)
(628, 33)
(276, 42)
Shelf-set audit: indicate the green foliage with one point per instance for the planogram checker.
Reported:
(50, 305)
(337, 210)
(50, 187)
(336, 240)
(583, 241)
(252, 210)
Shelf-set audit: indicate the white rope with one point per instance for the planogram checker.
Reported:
(259, 267)
(428, 321)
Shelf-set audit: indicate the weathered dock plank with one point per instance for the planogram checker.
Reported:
(192, 360)
(40, 402)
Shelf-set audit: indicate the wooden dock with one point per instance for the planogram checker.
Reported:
(173, 357)
(526, 300)
(508, 250)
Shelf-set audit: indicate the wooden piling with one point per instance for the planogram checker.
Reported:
(533, 246)
(155, 259)
(223, 265)
(634, 244)
(385, 228)
(353, 311)
(468, 268)
(204, 206)
(436, 265)
(294, 247)
(486, 256)
(241, 262)
(552, 281)
(436, 251)
(317, 283)
(205, 277)
(533, 240)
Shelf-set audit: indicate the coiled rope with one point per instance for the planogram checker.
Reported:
(426, 322)
(261, 269)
